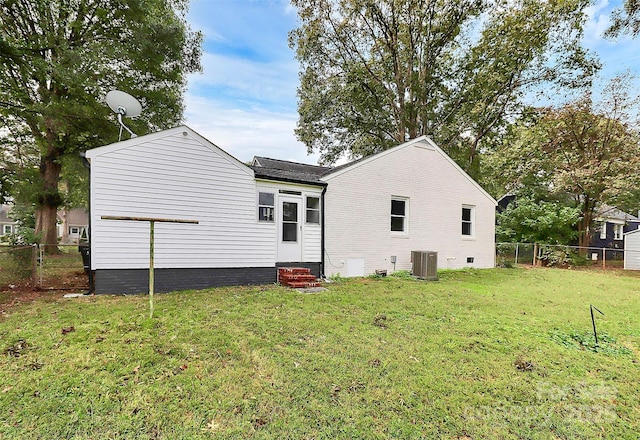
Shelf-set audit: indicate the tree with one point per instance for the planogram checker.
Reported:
(58, 59)
(626, 20)
(527, 220)
(586, 150)
(375, 73)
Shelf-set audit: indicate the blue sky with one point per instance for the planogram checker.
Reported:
(245, 100)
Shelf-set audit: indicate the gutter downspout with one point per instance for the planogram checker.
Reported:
(87, 165)
(324, 190)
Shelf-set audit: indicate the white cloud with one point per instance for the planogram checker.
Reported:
(598, 20)
(273, 81)
(247, 133)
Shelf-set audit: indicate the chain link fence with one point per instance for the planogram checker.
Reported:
(23, 267)
(511, 254)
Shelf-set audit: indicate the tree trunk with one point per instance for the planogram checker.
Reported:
(48, 202)
(584, 226)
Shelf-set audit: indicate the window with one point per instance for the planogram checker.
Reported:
(74, 230)
(603, 231)
(266, 207)
(313, 210)
(7, 229)
(618, 230)
(467, 221)
(399, 215)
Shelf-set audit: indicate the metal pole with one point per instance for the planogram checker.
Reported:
(151, 274)
(593, 321)
(151, 243)
(604, 259)
(516, 263)
(34, 264)
(535, 253)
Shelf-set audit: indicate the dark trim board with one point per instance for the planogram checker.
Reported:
(132, 281)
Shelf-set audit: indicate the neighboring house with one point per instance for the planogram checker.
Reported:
(612, 224)
(253, 219)
(632, 250)
(7, 224)
(505, 201)
(72, 225)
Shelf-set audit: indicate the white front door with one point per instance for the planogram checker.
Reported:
(290, 229)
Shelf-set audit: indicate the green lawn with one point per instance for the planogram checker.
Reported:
(504, 353)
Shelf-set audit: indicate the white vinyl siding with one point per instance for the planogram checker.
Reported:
(357, 212)
(632, 250)
(180, 177)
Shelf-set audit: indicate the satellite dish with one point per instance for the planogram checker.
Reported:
(123, 104)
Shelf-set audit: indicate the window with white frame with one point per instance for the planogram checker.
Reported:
(74, 230)
(399, 211)
(266, 207)
(603, 231)
(7, 229)
(618, 230)
(313, 210)
(467, 220)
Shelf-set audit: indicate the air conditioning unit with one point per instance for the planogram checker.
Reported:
(424, 264)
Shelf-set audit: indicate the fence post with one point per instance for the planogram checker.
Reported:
(604, 258)
(41, 265)
(535, 253)
(34, 264)
(516, 263)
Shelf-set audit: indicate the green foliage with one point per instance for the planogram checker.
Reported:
(337, 278)
(587, 151)
(402, 274)
(584, 340)
(535, 221)
(16, 263)
(375, 74)
(626, 20)
(367, 359)
(59, 58)
(554, 256)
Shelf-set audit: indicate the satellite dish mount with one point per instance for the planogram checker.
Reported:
(123, 104)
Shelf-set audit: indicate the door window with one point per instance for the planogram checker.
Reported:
(289, 221)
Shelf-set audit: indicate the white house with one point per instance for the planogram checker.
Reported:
(412, 197)
(255, 218)
(7, 224)
(248, 223)
(632, 250)
(72, 225)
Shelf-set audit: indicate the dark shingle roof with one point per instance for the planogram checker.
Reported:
(275, 169)
(611, 212)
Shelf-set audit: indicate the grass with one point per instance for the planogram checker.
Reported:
(479, 354)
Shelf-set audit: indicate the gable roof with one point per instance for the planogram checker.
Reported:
(4, 214)
(419, 142)
(182, 129)
(612, 213)
(283, 170)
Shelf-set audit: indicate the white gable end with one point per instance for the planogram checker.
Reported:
(432, 189)
(175, 174)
